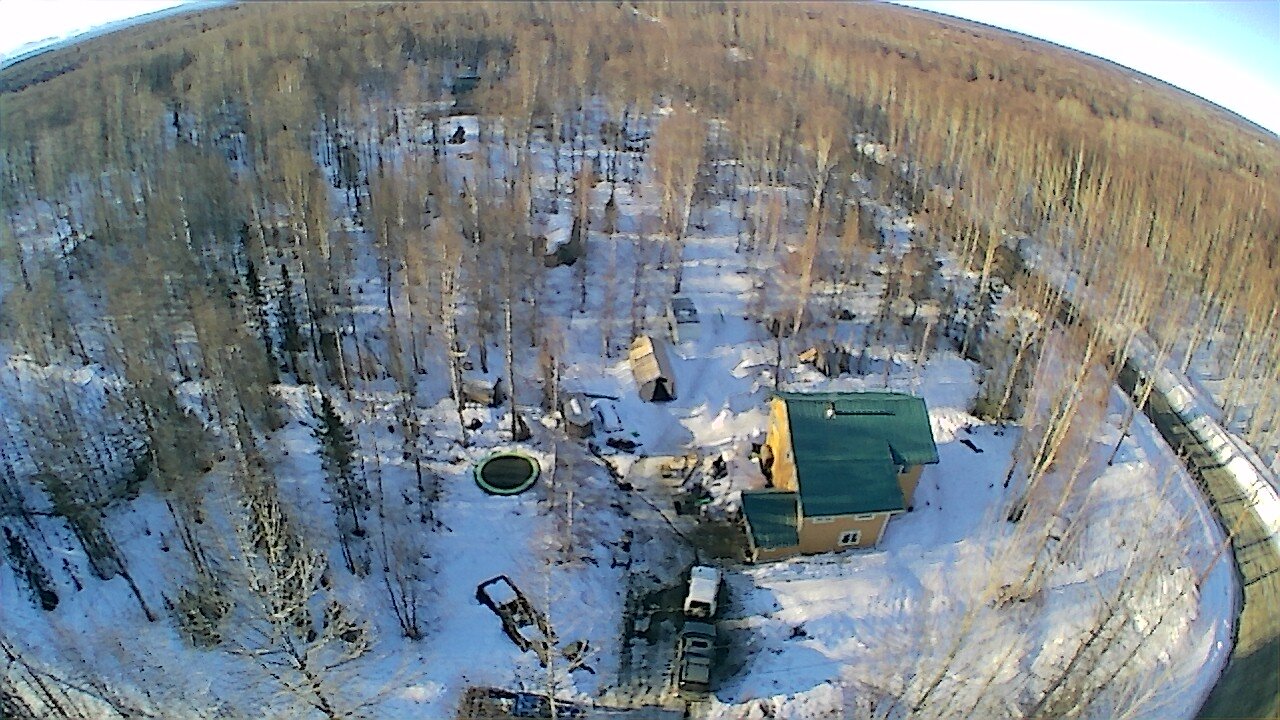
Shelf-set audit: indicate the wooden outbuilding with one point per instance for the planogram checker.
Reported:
(828, 359)
(651, 366)
(579, 421)
(557, 250)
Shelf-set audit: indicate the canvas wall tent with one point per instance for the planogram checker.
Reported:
(651, 366)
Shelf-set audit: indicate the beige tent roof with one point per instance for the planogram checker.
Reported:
(650, 363)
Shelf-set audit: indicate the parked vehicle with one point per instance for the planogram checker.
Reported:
(527, 628)
(682, 319)
(529, 705)
(607, 414)
(481, 703)
(695, 656)
(704, 586)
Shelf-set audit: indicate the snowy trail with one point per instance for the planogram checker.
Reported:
(1255, 652)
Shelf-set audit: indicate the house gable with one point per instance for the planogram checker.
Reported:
(780, 460)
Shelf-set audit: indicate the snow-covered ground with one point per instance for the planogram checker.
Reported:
(817, 636)
(928, 613)
(868, 617)
(827, 634)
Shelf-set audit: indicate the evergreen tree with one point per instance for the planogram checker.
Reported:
(337, 447)
(290, 336)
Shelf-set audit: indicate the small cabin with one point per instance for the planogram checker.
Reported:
(465, 83)
(463, 88)
(651, 366)
(682, 316)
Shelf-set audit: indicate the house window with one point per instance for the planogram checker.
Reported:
(850, 537)
(864, 516)
(821, 520)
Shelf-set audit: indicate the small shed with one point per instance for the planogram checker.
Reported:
(563, 247)
(483, 392)
(682, 315)
(652, 369)
(828, 359)
(579, 421)
(463, 89)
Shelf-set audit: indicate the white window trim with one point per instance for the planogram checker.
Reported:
(857, 538)
(820, 519)
(865, 516)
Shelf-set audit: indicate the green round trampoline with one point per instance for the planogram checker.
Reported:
(506, 473)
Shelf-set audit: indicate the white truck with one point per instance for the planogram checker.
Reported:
(704, 586)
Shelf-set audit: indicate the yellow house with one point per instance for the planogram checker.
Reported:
(841, 465)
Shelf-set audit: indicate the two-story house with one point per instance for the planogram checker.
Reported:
(841, 465)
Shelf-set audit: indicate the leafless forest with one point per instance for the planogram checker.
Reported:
(184, 199)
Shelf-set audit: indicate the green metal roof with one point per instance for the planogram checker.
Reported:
(771, 518)
(848, 447)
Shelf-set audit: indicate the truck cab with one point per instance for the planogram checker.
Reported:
(704, 586)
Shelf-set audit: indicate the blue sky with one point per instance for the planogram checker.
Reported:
(26, 21)
(1226, 51)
